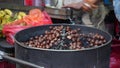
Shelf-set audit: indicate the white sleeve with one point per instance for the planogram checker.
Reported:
(66, 2)
(116, 4)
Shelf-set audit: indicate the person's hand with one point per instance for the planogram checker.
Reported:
(87, 5)
(75, 6)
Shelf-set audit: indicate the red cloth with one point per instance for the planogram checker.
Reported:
(5, 64)
(115, 54)
(117, 27)
(115, 58)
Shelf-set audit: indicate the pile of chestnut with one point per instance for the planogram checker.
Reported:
(65, 38)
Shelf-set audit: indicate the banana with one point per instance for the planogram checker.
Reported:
(9, 12)
(3, 22)
(22, 14)
(2, 13)
(6, 19)
(7, 16)
(19, 17)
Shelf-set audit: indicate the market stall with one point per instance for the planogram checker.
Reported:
(102, 51)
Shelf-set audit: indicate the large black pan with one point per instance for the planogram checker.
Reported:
(97, 57)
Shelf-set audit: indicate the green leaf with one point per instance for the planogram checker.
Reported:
(1, 27)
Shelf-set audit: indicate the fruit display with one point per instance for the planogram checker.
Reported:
(7, 16)
(16, 21)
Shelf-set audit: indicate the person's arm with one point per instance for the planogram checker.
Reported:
(86, 5)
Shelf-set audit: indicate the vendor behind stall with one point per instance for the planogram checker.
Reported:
(97, 12)
(94, 12)
(92, 4)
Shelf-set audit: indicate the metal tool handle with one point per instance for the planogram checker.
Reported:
(71, 16)
(19, 61)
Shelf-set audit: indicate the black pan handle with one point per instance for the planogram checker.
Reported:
(20, 61)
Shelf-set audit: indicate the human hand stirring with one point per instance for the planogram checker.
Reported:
(85, 5)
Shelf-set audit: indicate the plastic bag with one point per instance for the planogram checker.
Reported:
(10, 30)
(46, 20)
